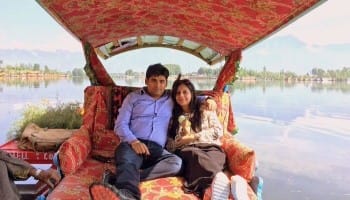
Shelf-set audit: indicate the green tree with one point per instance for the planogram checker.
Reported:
(208, 71)
(36, 67)
(46, 69)
(129, 72)
(173, 69)
(201, 71)
(78, 72)
(318, 72)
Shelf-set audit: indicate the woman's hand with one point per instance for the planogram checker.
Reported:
(210, 104)
(180, 141)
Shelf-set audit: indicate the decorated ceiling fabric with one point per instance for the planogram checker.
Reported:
(223, 25)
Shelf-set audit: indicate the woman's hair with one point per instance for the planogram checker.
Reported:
(196, 123)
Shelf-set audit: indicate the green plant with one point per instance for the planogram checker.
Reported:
(63, 116)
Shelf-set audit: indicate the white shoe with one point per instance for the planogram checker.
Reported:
(220, 187)
(239, 188)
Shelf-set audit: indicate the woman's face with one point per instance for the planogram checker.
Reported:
(183, 96)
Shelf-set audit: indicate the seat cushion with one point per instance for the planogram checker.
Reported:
(164, 188)
(76, 186)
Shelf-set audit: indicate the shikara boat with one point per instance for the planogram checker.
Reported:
(213, 31)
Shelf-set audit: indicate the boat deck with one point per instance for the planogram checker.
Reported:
(29, 156)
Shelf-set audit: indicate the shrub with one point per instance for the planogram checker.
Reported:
(63, 116)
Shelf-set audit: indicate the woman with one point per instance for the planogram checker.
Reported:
(196, 139)
(195, 135)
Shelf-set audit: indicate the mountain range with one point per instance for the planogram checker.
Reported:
(61, 60)
(290, 54)
(276, 53)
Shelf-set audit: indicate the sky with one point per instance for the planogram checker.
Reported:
(25, 25)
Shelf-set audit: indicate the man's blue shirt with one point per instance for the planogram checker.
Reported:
(143, 117)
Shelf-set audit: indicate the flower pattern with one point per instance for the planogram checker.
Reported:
(221, 25)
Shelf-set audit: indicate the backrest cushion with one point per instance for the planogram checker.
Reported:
(240, 158)
(97, 108)
(118, 95)
(224, 109)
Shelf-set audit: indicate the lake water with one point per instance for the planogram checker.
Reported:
(300, 132)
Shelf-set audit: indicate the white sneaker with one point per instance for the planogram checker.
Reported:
(239, 188)
(220, 187)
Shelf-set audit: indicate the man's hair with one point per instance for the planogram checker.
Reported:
(157, 70)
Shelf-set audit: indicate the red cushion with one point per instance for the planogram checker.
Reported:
(104, 141)
(76, 185)
(74, 151)
(240, 158)
(224, 109)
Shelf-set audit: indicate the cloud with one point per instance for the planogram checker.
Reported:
(62, 41)
(326, 24)
(59, 41)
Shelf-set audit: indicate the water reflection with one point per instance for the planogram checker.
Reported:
(78, 80)
(343, 87)
(202, 84)
(29, 82)
(299, 131)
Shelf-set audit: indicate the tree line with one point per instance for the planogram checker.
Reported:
(23, 68)
(337, 74)
(174, 69)
(29, 68)
(318, 73)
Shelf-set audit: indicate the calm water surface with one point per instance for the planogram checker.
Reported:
(300, 132)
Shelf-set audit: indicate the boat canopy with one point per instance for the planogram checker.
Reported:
(211, 30)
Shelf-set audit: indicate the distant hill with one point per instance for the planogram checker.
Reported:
(275, 53)
(289, 53)
(61, 60)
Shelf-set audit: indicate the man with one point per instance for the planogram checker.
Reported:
(12, 168)
(142, 127)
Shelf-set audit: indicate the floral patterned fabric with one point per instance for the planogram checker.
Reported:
(224, 109)
(221, 25)
(74, 151)
(76, 185)
(118, 95)
(240, 158)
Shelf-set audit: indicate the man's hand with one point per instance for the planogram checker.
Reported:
(140, 148)
(210, 104)
(49, 176)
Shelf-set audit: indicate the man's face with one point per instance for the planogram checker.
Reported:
(156, 85)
